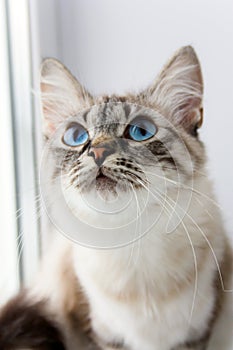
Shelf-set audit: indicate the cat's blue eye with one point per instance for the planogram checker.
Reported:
(141, 129)
(75, 135)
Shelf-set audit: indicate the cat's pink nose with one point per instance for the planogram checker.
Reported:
(99, 154)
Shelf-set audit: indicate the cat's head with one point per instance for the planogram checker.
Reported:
(109, 146)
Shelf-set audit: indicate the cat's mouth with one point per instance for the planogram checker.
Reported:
(101, 176)
(104, 182)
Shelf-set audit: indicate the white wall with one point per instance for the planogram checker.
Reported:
(115, 46)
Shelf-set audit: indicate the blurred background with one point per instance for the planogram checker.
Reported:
(111, 47)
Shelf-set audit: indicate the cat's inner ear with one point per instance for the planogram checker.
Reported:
(178, 90)
(62, 95)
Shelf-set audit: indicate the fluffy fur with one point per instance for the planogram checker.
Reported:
(165, 290)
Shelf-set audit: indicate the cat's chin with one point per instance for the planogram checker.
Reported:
(108, 187)
(105, 184)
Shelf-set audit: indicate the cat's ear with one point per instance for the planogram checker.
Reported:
(61, 94)
(178, 90)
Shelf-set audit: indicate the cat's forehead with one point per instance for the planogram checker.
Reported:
(112, 115)
(109, 113)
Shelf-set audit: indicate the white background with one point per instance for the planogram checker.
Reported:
(117, 46)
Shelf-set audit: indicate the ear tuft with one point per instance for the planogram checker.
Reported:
(61, 94)
(178, 90)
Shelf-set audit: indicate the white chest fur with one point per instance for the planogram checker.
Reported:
(141, 308)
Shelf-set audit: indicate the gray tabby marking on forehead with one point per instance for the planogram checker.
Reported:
(110, 116)
(111, 112)
(103, 111)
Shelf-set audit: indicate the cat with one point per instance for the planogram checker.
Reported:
(153, 264)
